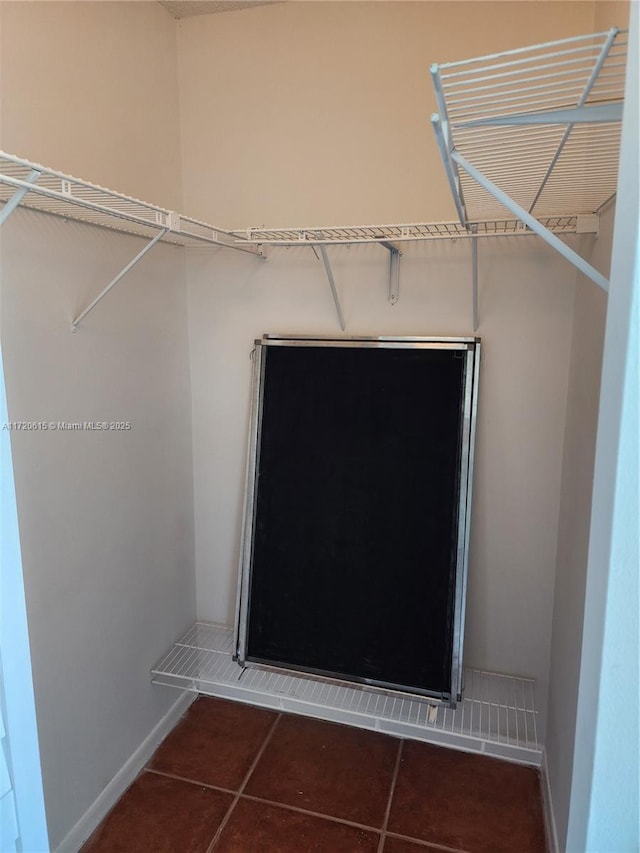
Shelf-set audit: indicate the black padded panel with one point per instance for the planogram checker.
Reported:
(355, 533)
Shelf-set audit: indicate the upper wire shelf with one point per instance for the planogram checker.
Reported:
(49, 191)
(542, 122)
(355, 234)
(72, 198)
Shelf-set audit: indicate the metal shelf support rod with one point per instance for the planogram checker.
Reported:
(445, 142)
(441, 127)
(613, 32)
(17, 197)
(394, 276)
(474, 275)
(450, 167)
(394, 270)
(530, 220)
(598, 114)
(121, 275)
(332, 285)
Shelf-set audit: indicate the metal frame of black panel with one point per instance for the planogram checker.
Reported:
(469, 349)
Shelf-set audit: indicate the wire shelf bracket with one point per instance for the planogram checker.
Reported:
(332, 285)
(530, 220)
(535, 127)
(394, 270)
(114, 281)
(474, 276)
(19, 194)
(45, 190)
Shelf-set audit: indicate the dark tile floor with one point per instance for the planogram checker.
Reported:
(231, 778)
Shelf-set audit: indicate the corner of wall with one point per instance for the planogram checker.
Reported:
(127, 774)
(587, 337)
(547, 807)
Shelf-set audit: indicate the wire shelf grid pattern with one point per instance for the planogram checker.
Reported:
(72, 198)
(497, 714)
(354, 234)
(63, 195)
(549, 168)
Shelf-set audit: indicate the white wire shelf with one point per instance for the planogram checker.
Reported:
(49, 191)
(541, 122)
(497, 715)
(73, 198)
(353, 234)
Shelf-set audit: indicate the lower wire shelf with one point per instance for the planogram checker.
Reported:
(497, 715)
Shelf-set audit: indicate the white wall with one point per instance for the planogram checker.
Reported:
(587, 338)
(605, 796)
(91, 89)
(295, 113)
(610, 13)
(525, 302)
(318, 112)
(303, 113)
(105, 517)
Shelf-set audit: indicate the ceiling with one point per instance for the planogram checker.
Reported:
(189, 8)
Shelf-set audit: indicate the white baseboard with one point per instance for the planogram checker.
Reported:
(105, 801)
(547, 804)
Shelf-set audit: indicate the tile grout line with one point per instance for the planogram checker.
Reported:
(247, 776)
(428, 845)
(252, 798)
(387, 812)
(239, 794)
(190, 781)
